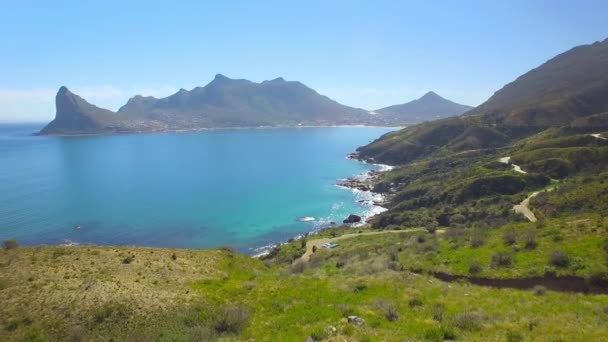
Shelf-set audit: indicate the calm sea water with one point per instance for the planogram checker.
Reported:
(243, 188)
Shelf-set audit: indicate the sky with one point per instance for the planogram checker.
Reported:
(367, 54)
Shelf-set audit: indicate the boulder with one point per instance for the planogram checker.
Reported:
(352, 218)
(356, 320)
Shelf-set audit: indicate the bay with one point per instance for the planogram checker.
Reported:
(244, 188)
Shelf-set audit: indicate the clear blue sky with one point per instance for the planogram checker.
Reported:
(367, 54)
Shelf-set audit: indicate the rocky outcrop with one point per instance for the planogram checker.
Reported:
(352, 218)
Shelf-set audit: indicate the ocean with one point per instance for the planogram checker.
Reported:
(245, 188)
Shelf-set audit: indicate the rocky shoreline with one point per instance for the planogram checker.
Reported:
(362, 182)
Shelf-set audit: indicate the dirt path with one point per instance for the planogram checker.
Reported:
(320, 242)
(524, 208)
(507, 160)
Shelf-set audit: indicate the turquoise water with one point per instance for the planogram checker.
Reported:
(243, 188)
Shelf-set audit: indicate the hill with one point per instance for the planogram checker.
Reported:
(564, 91)
(429, 107)
(224, 102)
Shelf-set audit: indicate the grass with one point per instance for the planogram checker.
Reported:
(222, 295)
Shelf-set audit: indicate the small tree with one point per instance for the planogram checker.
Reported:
(431, 227)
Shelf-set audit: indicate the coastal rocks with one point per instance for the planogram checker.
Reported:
(359, 184)
(352, 218)
(356, 320)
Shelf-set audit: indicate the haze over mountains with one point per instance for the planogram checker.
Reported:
(226, 102)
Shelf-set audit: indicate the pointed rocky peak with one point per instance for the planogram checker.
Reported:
(66, 101)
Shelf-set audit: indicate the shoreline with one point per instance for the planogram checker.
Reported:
(208, 129)
(362, 182)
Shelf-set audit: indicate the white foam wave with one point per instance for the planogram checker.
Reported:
(306, 219)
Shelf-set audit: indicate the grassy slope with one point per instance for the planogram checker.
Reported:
(156, 297)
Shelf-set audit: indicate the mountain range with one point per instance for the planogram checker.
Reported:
(226, 102)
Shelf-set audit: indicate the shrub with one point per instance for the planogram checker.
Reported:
(359, 287)
(10, 244)
(440, 334)
(530, 239)
(438, 310)
(509, 237)
(414, 302)
(393, 266)
(457, 219)
(303, 242)
(475, 267)
(478, 238)
(559, 259)
(174, 256)
(599, 279)
(502, 259)
(319, 334)
(513, 336)
(228, 249)
(421, 238)
(468, 321)
(232, 319)
(298, 267)
(314, 249)
(431, 227)
(339, 264)
(129, 259)
(389, 310)
(539, 290)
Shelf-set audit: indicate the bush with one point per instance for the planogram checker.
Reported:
(599, 279)
(477, 238)
(414, 302)
(389, 310)
(530, 239)
(475, 267)
(513, 336)
(440, 334)
(10, 244)
(129, 259)
(468, 321)
(421, 238)
(438, 310)
(314, 249)
(232, 319)
(509, 237)
(431, 227)
(539, 290)
(457, 219)
(559, 259)
(298, 267)
(339, 264)
(502, 259)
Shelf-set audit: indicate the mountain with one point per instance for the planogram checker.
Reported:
(570, 89)
(429, 107)
(224, 102)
